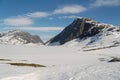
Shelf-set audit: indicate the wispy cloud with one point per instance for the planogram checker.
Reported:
(38, 14)
(27, 19)
(70, 9)
(99, 3)
(68, 17)
(45, 29)
(17, 21)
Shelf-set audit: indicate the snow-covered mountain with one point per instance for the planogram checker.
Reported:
(85, 55)
(19, 37)
(86, 32)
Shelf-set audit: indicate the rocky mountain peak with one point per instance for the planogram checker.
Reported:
(80, 28)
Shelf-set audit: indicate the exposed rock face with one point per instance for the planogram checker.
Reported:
(19, 37)
(80, 28)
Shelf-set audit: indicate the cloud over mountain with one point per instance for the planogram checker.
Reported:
(72, 9)
(17, 21)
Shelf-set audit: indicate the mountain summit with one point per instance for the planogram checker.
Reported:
(19, 37)
(86, 28)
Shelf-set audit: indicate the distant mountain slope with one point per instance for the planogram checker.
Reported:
(88, 32)
(18, 37)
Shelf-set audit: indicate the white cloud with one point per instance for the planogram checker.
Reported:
(68, 17)
(38, 14)
(37, 28)
(17, 21)
(99, 3)
(26, 19)
(72, 9)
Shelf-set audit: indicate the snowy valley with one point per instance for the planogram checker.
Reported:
(84, 50)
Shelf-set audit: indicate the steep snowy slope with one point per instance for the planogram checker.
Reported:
(18, 37)
(109, 37)
(87, 32)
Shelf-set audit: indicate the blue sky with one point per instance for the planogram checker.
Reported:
(48, 17)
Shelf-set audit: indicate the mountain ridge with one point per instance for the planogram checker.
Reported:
(84, 29)
(19, 37)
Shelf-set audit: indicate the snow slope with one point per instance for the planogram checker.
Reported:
(62, 63)
(103, 39)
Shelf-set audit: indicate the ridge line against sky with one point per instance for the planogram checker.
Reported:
(57, 16)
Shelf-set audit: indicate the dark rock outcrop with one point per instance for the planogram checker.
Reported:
(80, 28)
(114, 59)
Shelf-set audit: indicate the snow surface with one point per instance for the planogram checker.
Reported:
(62, 62)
